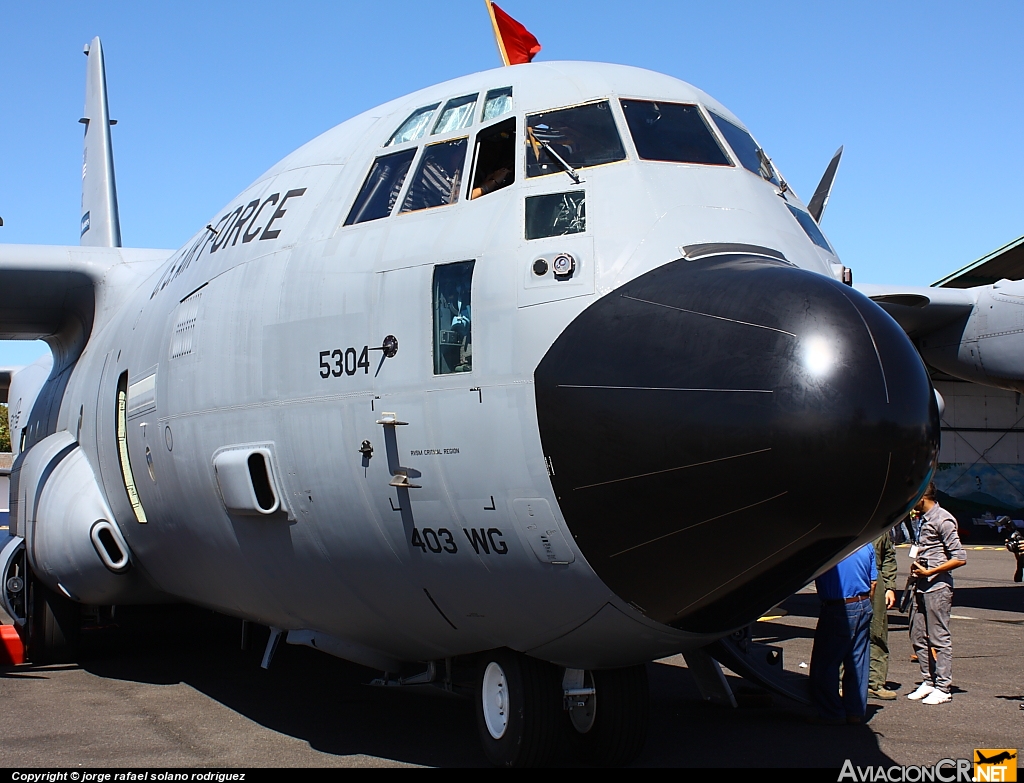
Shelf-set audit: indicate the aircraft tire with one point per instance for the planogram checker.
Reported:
(518, 708)
(621, 717)
(52, 630)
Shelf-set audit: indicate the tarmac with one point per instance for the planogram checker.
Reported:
(172, 688)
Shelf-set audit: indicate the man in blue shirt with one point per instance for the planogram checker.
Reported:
(842, 637)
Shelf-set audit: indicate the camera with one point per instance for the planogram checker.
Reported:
(1014, 542)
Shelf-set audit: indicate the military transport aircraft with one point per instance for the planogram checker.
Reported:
(507, 386)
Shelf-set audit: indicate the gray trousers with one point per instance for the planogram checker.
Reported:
(929, 627)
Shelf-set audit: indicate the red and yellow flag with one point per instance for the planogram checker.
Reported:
(516, 44)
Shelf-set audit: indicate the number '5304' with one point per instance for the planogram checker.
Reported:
(338, 362)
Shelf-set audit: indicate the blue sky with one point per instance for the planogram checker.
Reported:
(926, 97)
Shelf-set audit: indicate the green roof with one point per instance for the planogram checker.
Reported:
(1006, 263)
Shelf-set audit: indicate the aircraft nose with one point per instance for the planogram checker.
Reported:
(717, 430)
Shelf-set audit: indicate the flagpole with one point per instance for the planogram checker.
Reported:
(497, 34)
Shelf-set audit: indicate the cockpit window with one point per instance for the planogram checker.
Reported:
(751, 156)
(494, 161)
(556, 214)
(380, 191)
(414, 127)
(581, 136)
(497, 102)
(438, 176)
(810, 227)
(674, 132)
(456, 115)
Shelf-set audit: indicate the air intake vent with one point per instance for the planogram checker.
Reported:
(110, 546)
(246, 480)
(185, 326)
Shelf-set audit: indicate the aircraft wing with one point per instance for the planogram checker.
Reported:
(922, 310)
(44, 289)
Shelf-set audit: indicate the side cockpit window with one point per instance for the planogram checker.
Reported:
(438, 177)
(750, 155)
(675, 132)
(810, 228)
(380, 191)
(456, 115)
(494, 159)
(556, 214)
(414, 127)
(497, 103)
(453, 318)
(580, 136)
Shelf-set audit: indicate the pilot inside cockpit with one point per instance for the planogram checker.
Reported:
(495, 159)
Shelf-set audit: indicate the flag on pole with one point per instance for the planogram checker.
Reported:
(516, 44)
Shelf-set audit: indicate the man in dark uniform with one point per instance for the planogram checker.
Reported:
(883, 599)
(841, 637)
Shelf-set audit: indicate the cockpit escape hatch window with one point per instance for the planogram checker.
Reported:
(438, 176)
(456, 115)
(414, 127)
(581, 136)
(496, 103)
(675, 132)
(453, 322)
(494, 158)
(380, 191)
(751, 156)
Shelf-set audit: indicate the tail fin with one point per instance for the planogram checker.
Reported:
(101, 226)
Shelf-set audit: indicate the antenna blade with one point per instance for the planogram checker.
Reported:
(101, 226)
(820, 198)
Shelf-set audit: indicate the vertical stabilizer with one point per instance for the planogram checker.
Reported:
(101, 226)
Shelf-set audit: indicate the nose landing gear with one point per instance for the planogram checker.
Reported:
(525, 707)
(610, 729)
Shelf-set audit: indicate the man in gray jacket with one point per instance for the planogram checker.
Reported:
(939, 551)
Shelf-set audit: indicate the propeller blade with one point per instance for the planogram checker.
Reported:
(820, 198)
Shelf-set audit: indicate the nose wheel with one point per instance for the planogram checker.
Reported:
(524, 709)
(609, 728)
(518, 708)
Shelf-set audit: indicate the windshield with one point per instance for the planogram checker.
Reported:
(457, 114)
(751, 156)
(497, 102)
(437, 179)
(582, 136)
(674, 132)
(380, 190)
(414, 127)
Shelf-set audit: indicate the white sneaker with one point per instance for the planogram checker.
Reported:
(924, 689)
(937, 697)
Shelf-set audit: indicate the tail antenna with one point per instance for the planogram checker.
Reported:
(101, 226)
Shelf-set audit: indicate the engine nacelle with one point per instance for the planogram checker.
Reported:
(72, 542)
(985, 346)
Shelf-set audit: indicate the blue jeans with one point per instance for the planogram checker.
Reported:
(841, 637)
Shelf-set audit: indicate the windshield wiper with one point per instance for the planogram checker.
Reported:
(535, 142)
(769, 172)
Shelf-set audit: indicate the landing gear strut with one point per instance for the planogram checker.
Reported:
(48, 622)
